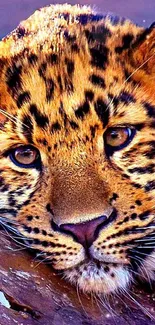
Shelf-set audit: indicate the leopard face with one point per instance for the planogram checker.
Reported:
(77, 144)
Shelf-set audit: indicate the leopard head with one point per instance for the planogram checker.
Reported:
(77, 144)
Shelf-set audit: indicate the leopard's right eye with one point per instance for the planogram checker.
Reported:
(25, 156)
(118, 137)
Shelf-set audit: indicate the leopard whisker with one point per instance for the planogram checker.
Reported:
(18, 249)
(12, 118)
(138, 68)
(138, 259)
(12, 237)
(153, 257)
(106, 304)
(133, 271)
(80, 301)
(145, 228)
(132, 299)
(42, 260)
(145, 240)
(146, 246)
(38, 255)
(97, 301)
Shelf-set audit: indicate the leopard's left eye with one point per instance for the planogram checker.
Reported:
(118, 137)
(25, 156)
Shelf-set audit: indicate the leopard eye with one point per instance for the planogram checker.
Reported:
(118, 137)
(25, 156)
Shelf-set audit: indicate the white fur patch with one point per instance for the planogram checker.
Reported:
(89, 278)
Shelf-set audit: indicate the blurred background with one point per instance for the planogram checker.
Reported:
(13, 11)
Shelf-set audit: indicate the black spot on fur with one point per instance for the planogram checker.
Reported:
(82, 110)
(22, 98)
(152, 125)
(89, 95)
(29, 218)
(70, 66)
(85, 18)
(97, 80)
(150, 186)
(49, 89)
(136, 185)
(126, 43)
(99, 56)
(55, 127)
(13, 78)
(69, 37)
(2, 181)
(133, 216)
(60, 83)
(144, 215)
(42, 141)
(73, 125)
(42, 70)
(53, 58)
(36, 230)
(49, 209)
(150, 109)
(93, 130)
(126, 97)
(44, 232)
(41, 119)
(12, 200)
(75, 48)
(68, 85)
(32, 58)
(143, 170)
(138, 202)
(114, 197)
(102, 111)
(98, 33)
(20, 32)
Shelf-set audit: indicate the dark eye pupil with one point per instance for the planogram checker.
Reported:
(114, 134)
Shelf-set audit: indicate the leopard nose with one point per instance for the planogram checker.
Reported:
(86, 232)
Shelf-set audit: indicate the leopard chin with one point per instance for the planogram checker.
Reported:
(93, 277)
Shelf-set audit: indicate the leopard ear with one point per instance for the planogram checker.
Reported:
(143, 50)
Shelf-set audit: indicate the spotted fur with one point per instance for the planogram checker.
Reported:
(67, 74)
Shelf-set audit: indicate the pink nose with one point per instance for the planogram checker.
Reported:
(86, 232)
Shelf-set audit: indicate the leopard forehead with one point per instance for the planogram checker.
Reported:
(76, 61)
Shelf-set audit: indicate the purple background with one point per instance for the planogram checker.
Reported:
(13, 11)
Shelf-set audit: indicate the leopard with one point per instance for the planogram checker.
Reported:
(77, 144)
